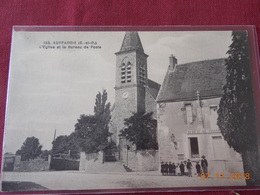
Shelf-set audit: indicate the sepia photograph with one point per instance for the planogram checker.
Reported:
(108, 110)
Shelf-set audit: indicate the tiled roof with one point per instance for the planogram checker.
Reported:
(131, 42)
(207, 77)
(153, 88)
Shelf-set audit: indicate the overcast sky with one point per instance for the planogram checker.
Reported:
(50, 88)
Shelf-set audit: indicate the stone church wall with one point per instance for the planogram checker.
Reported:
(128, 57)
(150, 104)
(123, 108)
(32, 165)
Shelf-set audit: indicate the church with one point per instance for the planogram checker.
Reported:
(134, 91)
(185, 108)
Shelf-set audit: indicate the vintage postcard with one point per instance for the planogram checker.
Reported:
(130, 108)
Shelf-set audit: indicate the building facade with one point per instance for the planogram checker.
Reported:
(187, 106)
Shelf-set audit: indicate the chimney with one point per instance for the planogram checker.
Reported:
(173, 62)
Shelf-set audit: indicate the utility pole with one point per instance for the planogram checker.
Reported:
(50, 163)
(54, 135)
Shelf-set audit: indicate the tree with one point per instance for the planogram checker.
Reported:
(67, 145)
(236, 114)
(59, 145)
(45, 154)
(30, 149)
(93, 129)
(141, 131)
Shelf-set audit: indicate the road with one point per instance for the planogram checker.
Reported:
(75, 180)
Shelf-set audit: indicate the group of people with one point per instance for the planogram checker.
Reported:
(184, 168)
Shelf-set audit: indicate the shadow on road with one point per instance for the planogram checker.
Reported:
(21, 186)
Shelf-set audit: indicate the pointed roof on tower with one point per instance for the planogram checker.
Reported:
(131, 42)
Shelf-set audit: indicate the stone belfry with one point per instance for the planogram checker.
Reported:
(131, 79)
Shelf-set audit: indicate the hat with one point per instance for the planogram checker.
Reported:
(203, 156)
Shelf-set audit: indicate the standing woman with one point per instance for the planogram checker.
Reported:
(174, 168)
(189, 167)
(178, 170)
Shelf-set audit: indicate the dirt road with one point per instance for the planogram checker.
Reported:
(75, 180)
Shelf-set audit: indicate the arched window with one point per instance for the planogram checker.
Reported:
(123, 73)
(126, 72)
(142, 75)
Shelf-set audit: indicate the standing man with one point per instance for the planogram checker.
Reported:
(204, 165)
(182, 168)
(170, 168)
(189, 167)
(162, 168)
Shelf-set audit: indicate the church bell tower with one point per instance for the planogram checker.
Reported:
(131, 79)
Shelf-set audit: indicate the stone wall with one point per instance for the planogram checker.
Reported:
(32, 165)
(88, 160)
(93, 163)
(17, 163)
(146, 160)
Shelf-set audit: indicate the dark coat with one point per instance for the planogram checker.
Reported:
(198, 168)
(204, 163)
(170, 167)
(162, 168)
(166, 168)
(182, 167)
(189, 165)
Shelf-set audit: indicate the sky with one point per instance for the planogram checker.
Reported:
(50, 87)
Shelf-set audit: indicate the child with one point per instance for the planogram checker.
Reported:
(198, 168)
